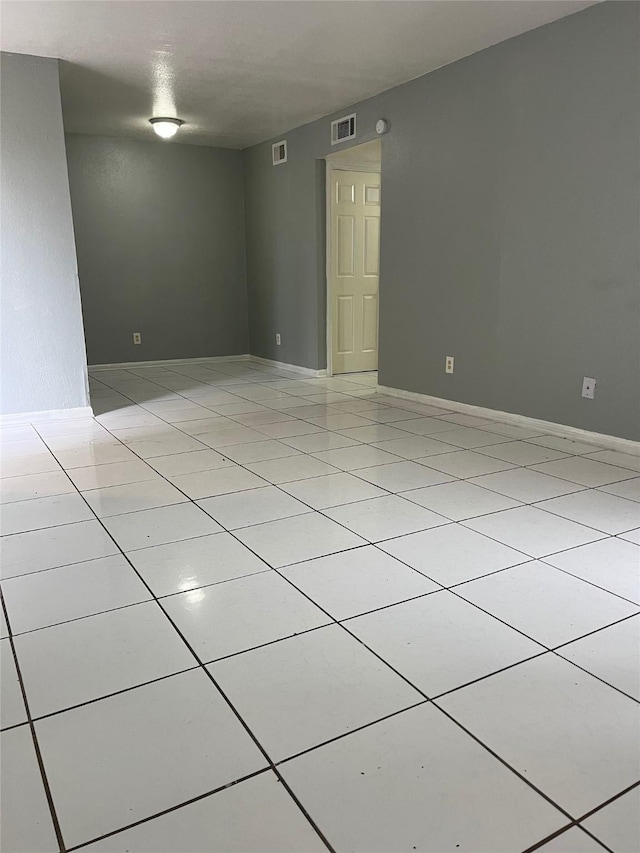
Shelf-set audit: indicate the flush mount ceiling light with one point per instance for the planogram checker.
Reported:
(166, 127)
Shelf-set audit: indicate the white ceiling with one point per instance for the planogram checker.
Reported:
(244, 71)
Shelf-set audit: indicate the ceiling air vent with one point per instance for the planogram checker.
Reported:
(343, 129)
(279, 152)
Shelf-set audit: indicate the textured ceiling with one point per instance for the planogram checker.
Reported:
(242, 72)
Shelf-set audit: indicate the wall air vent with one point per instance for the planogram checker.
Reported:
(343, 129)
(279, 152)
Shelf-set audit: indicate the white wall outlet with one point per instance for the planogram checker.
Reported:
(137, 338)
(278, 341)
(588, 387)
(448, 364)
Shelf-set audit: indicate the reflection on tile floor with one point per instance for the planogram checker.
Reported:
(244, 610)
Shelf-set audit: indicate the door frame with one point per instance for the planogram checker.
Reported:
(335, 165)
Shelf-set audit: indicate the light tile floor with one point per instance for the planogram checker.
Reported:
(244, 610)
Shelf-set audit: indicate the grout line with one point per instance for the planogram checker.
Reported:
(171, 809)
(32, 729)
(240, 719)
(333, 621)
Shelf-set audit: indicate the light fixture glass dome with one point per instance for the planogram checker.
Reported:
(166, 127)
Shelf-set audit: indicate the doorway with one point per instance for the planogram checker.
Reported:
(353, 258)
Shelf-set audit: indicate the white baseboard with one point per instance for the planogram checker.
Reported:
(294, 368)
(49, 415)
(610, 442)
(126, 365)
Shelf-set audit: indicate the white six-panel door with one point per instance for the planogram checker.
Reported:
(355, 253)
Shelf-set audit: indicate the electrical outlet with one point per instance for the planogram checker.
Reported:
(588, 387)
(448, 364)
(137, 338)
(278, 340)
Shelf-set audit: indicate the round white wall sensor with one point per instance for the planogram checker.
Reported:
(381, 126)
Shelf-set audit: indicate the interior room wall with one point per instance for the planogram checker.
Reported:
(509, 233)
(44, 365)
(160, 241)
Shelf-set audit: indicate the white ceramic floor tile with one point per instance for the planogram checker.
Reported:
(460, 500)
(232, 617)
(56, 546)
(22, 432)
(4, 628)
(221, 481)
(263, 416)
(458, 419)
(352, 458)
(548, 605)
(260, 451)
(192, 563)
(40, 513)
(117, 500)
(612, 564)
(332, 490)
(242, 509)
(160, 525)
(357, 581)
(617, 824)
(99, 454)
(229, 437)
(112, 762)
(415, 447)
(522, 453)
(511, 430)
(26, 820)
(533, 531)
(629, 489)
(12, 710)
(374, 432)
(30, 486)
(632, 536)
(541, 716)
(426, 426)
(293, 468)
(585, 471)
(166, 446)
(390, 414)
(467, 463)
(79, 661)
(525, 485)
(117, 474)
(220, 822)
(440, 642)
(293, 540)
(401, 476)
(384, 518)
(573, 840)
(564, 444)
(607, 513)
(71, 592)
(308, 689)
(612, 654)
(452, 554)
(35, 463)
(287, 429)
(319, 441)
(468, 437)
(190, 463)
(614, 457)
(418, 780)
(207, 422)
(26, 447)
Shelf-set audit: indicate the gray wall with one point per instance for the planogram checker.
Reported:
(160, 241)
(42, 346)
(510, 222)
